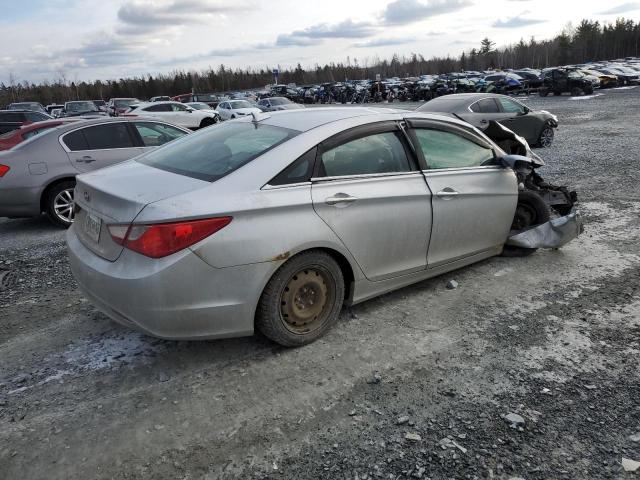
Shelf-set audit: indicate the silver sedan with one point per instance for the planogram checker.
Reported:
(274, 221)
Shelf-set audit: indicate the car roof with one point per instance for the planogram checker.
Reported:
(310, 118)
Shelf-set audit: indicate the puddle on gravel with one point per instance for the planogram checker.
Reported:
(92, 354)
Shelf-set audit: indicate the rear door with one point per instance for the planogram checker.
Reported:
(98, 146)
(370, 192)
(473, 201)
(480, 113)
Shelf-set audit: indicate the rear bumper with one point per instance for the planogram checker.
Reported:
(179, 297)
(19, 202)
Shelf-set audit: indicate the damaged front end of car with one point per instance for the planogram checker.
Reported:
(531, 229)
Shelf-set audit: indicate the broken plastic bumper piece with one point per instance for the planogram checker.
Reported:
(552, 234)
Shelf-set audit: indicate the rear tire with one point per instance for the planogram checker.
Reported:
(530, 211)
(302, 300)
(543, 91)
(58, 203)
(576, 91)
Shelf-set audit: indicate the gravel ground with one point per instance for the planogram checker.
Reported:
(414, 384)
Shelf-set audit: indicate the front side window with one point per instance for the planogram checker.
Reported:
(379, 153)
(213, 153)
(36, 117)
(510, 106)
(178, 107)
(156, 134)
(449, 150)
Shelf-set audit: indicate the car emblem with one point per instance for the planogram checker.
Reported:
(87, 197)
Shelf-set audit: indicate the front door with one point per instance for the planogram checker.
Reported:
(371, 193)
(473, 200)
(517, 118)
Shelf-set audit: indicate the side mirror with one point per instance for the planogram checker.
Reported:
(189, 109)
(525, 110)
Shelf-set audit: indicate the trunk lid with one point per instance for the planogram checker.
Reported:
(116, 195)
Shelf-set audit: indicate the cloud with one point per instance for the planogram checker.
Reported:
(314, 34)
(148, 15)
(383, 42)
(402, 12)
(622, 8)
(516, 22)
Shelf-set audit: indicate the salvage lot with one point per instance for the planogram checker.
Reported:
(554, 337)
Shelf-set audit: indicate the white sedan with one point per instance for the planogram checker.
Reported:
(236, 108)
(176, 113)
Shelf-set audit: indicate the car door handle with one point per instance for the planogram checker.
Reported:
(86, 159)
(446, 193)
(339, 198)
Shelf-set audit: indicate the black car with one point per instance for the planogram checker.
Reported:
(533, 80)
(479, 109)
(561, 80)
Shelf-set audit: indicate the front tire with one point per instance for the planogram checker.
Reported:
(530, 212)
(302, 300)
(206, 122)
(545, 139)
(59, 205)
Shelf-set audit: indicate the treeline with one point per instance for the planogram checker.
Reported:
(589, 41)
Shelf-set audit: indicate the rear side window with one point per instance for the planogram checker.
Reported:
(163, 107)
(299, 171)
(75, 141)
(33, 133)
(487, 105)
(215, 152)
(107, 136)
(449, 150)
(379, 153)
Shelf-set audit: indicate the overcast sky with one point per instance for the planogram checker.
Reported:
(106, 39)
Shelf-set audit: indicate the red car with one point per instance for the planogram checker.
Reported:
(14, 137)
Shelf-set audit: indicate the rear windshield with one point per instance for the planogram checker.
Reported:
(217, 151)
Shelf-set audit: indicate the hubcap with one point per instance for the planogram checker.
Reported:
(305, 300)
(547, 137)
(63, 205)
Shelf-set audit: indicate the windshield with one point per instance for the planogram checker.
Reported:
(81, 107)
(217, 151)
(126, 102)
(240, 104)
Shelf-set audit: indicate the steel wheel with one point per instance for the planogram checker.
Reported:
(546, 137)
(305, 300)
(63, 205)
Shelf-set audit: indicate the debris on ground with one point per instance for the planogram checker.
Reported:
(630, 465)
(514, 420)
(414, 437)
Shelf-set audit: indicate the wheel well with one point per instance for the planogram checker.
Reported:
(345, 267)
(48, 188)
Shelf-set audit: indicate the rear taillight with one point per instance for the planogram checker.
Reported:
(160, 240)
(3, 170)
